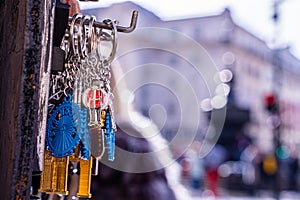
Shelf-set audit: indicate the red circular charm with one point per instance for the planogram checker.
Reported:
(95, 98)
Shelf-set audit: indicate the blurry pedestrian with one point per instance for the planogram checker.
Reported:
(197, 173)
(197, 165)
(212, 161)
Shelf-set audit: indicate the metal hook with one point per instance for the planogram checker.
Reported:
(119, 28)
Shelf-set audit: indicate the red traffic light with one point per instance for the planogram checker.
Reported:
(270, 102)
(270, 99)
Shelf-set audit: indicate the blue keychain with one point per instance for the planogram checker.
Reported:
(109, 136)
(84, 133)
(61, 134)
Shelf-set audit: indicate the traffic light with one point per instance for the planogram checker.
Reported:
(283, 152)
(270, 103)
(269, 165)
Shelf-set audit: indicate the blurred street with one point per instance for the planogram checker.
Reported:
(191, 104)
(246, 143)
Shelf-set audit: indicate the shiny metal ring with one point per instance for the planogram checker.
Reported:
(82, 37)
(72, 50)
(91, 34)
(114, 40)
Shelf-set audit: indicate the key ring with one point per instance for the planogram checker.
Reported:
(72, 50)
(114, 39)
(91, 35)
(82, 37)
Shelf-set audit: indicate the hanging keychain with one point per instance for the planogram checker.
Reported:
(79, 47)
(97, 96)
(89, 98)
(81, 124)
(106, 74)
(61, 134)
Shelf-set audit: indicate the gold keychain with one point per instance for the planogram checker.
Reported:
(55, 174)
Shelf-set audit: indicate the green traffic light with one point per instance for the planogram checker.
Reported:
(283, 152)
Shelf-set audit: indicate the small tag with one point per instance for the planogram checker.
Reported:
(97, 143)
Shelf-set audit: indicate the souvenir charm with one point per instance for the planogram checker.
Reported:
(109, 135)
(61, 134)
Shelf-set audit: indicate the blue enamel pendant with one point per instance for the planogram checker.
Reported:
(109, 136)
(84, 133)
(61, 134)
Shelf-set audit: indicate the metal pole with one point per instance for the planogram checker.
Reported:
(276, 83)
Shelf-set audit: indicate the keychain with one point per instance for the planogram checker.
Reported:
(97, 96)
(61, 134)
(80, 125)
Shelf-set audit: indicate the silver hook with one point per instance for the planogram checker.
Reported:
(123, 29)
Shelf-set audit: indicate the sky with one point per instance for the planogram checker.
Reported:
(253, 15)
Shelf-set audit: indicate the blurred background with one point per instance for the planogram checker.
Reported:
(255, 47)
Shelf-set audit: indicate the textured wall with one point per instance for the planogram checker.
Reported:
(25, 43)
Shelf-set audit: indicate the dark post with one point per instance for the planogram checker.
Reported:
(25, 52)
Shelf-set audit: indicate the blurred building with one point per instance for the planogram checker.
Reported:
(231, 47)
